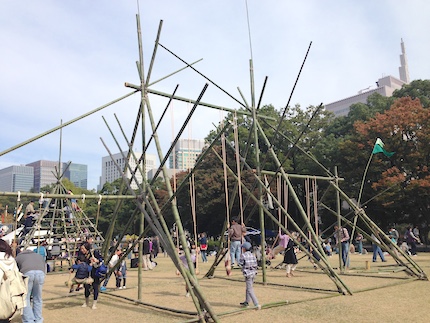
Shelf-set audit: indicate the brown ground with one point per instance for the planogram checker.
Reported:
(383, 295)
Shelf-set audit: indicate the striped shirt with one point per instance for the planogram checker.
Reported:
(249, 264)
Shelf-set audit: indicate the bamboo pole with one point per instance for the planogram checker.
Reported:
(339, 224)
(293, 193)
(176, 213)
(301, 176)
(201, 103)
(420, 273)
(65, 124)
(157, 230)
(258, 169)
(330, 272)
(65, 195)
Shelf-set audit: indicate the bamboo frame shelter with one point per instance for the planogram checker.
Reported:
(151, 212)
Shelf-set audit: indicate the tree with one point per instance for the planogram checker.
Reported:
(418, 89)
(405, 129)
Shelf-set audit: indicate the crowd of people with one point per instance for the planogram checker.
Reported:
(89, 275)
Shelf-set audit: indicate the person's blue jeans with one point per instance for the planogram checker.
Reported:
(204, 258)
(235, 251)
(360, 246)
(377, 251)
(33, 314)
(96, 286)
(345, 247)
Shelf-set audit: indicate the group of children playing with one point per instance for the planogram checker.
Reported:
(82, 272)
(247, 262)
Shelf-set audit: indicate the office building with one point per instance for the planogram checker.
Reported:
(110, 171)
(44, 173)
(185, 153)
(152, 172)
(16, 178)
(77, 174)
(385, 86)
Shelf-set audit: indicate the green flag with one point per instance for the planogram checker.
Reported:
(379, 148)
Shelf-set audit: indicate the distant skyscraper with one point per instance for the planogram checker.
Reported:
(185, 154)
(111, 173)
(16, 178)
(44, 173)
(403, 69)
(77, 174)
(384, 86)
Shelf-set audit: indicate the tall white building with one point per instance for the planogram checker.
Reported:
(384, 86)
(110, 172)
(185, 154)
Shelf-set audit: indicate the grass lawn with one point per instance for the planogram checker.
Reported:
(382, 293)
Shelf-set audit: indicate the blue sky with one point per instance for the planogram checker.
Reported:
(61, 59)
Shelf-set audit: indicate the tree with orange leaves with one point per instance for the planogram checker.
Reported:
(405, 129)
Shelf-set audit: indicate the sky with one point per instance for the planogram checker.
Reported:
(60, 60)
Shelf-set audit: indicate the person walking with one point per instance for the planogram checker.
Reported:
(290, 258)
(248, 262)
(203, 246)
(112, 263)
(33, 266)
(147, 254)
(376, 248)
(155, 246)
(121, 275)
(359, 240)
(412, 240)
(394, 237)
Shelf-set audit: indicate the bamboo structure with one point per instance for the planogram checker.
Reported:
(150, 212)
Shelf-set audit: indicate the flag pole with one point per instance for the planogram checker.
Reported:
(360, 193)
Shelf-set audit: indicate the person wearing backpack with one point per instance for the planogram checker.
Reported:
(33, 266)
(13, 291)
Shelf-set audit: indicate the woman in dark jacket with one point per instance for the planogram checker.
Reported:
(94, 259)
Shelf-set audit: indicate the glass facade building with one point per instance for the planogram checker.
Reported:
(16, 178)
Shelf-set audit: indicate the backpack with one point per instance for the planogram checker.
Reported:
(101, 270)
(13, 292)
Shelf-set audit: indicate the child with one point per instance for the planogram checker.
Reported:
(121, 274)
(248, 262)
(290, 258)
(184, 262)
(82, 273)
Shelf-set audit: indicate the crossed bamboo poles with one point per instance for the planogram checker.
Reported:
(146, 204)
